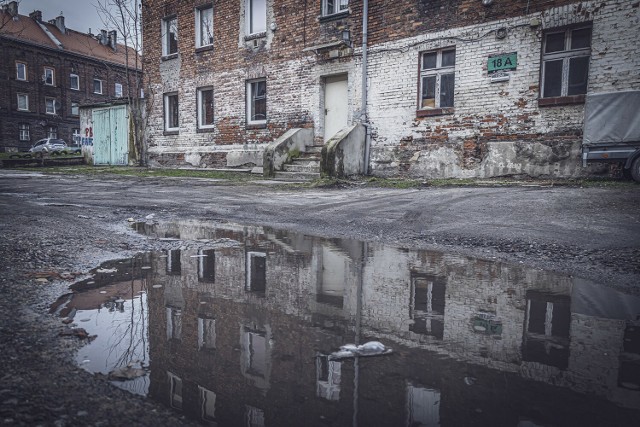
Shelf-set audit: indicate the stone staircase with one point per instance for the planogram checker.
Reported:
(306, 167)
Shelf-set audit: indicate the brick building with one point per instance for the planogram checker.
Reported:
(48, 71)
(461, 88)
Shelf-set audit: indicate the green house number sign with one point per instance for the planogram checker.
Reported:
(503, 62)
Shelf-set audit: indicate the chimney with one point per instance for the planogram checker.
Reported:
(60, 24)
(36, 15)
(113, 39)
(12, 8)
(103, 37)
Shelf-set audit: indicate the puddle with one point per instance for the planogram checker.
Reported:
(240, 325)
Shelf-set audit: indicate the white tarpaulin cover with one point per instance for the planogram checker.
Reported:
(612, 117)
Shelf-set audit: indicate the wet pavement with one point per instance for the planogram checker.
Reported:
(239, 328)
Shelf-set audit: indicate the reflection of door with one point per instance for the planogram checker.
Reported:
(335, 105)
(110, 145)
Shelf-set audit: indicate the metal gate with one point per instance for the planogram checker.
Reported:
(110, 131)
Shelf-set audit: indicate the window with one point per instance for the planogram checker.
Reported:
(50, 105)
(437, 76)
(21, 71)
(329, 7)
(175, 390)
(256, 272)
(49, 76)
(74, 82)
(97, 86)
(24, 132)
(256, 15)
(565, 62)
(205, 108)
(169, 36)
(328, 377)
(23, 102)
(171, 111)
(118, 90)
(52, 132)
(75, 108)
(174, 323)
(207, 405)
(257, 102)
(206, 333)
(204, 26)
(76, 137)
(174, 264)
(207, 265)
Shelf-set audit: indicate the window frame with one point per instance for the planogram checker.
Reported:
(438, 71)
(26, 97)
(199, 106)
(48, 99)
(165, 32)
(25, 71)
(77, 77)
(46, 77)
(166, 100)
(52, 132)
(24, 129)
(249, 98)
(337, 7)
(101, 86)
(115, 90)
(248, 13)
(565, 56)
(77, 106)
(198, 14)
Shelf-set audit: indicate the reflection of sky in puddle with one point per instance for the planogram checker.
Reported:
(238, 325)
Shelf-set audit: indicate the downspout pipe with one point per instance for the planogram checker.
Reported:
(365, 117)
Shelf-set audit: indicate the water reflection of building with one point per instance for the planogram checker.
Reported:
(242, 331)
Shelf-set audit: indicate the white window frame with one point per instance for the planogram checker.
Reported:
(24, 96)
(200, 105)
(24, 134)
(75, 136)
(207, 404)
(436, 72)
(200, 11)
(51, 110)
(77, 108)
(335, 6)
(166, 31)
(175, 390)
(94, 86)
(249, 14)
(52, 132)
(77, 80)
(250, 89)
(49, 76)
(117, 87)
(565, 55)
(167, 97)
(23, 66)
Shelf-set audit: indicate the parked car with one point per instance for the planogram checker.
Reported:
(48, 145)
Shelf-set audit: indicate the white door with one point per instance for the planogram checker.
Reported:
(335, 105)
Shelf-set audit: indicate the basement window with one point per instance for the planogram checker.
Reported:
(204, 26)
(437, 79)
(171, 112)
(565, 62)
(257, 102)
(169, 36)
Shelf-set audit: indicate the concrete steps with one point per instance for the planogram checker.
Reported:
(306, 167)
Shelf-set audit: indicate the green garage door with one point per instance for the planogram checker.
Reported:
(110, 129)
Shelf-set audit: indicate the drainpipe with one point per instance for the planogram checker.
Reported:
(364, 117)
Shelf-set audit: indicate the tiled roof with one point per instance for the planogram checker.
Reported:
(27, 29)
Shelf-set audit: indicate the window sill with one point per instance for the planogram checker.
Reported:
(334, 16)
(169, 57)
(435, 112)
(255, 36)
(204, 48)
(251, 126)
(171, 132)
(561, 100)
(206, 129)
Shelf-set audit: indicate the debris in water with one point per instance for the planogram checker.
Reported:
(107, 270)
(125, 373)
(372, 348)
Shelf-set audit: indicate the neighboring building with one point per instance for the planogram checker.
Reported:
(49, 70)
(462, 88)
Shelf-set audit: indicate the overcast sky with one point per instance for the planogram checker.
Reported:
(79, 15)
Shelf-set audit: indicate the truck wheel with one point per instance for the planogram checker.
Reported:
(635, 169)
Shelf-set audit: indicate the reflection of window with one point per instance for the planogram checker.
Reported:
(207, 265)
(175, 391)
(565, 61)
(257, 102)
(254, 416)
(256, 277)
(204, 26)
(169, 36)
(205, 108)
(206, 333)
(328, 376)
(423, 406)
(332, 281)
(256, 13)
(547, 322)
(255, 352)
(629, 373)
(174, 265)
(174, 323)
(207, 404)
(437, 77)
(427, 305)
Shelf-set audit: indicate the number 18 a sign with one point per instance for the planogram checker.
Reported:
(503, 62)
